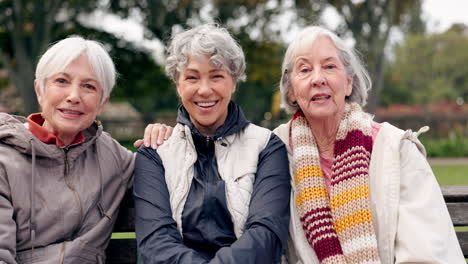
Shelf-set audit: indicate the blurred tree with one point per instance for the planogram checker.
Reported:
(369, 23)
(26, 28)
(428, 68)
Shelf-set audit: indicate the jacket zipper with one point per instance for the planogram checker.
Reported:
(75, 193)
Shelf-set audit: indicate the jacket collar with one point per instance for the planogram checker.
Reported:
(235, 121)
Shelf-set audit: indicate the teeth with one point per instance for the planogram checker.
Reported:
(70, 112)
(206, 104)
(321, 97)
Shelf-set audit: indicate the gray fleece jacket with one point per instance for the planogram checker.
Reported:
(58, 205)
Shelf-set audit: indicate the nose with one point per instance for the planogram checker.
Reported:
(74, 96)
(318, 79)
(204, 89)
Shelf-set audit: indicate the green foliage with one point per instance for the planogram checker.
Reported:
(453, 146)
(428, 68)
(263, 73)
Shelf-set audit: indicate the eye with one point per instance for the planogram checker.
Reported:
(218, 76)
(330, 66)
(61, 80)
(190, 77)
(89, 86)
(304, 70)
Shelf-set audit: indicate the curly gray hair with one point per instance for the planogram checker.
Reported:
(205, 40)
(351, 61)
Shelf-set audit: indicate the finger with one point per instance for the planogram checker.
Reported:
(138, 143)
(160, 138)
(168, 132)
(147, 137)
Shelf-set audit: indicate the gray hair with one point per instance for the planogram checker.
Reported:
(205, 40)
(354, 66)
(62, 53)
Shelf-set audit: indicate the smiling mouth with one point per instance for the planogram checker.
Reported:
(70, 112)
(206, 104)
(322, 97)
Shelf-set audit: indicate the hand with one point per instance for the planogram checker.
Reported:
(155, 135)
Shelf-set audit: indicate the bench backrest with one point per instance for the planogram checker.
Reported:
(124, 251)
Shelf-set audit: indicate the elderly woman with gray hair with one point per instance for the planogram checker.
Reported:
(362, 192)
(218, 190)
(61, 177)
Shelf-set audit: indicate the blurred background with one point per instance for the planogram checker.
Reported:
(415, 50)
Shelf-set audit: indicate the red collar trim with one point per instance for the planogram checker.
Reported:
(35, 122)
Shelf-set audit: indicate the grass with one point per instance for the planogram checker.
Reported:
(129, 235)
(451, 174)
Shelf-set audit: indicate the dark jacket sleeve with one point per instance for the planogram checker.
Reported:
(159, 240)
(267, 224)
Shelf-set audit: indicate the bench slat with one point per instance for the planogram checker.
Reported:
(463, 239)
(122, 251)
(457, 193)
(458, 213)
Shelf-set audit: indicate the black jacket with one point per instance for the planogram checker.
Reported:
(208, 234)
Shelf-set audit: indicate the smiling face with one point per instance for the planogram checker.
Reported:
(319, 81)
(71, 100)
(205, 91)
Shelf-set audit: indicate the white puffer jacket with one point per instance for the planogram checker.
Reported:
(409, 215)
(237, 157)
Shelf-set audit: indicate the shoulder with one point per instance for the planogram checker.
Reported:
(253, 130)
(391, 137)
(282, 131)
(108, 146)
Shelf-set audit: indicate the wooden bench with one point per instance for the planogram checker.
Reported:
(124, 251)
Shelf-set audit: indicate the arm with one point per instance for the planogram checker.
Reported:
(159, 240)
(268, 220)
(425, 232)
(7, 224)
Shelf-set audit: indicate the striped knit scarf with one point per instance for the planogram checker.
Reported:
(338, 227)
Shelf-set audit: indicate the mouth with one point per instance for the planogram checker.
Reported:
(206, 104)
(320, 97)
(70, 112)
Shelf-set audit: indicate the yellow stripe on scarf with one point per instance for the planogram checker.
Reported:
(348, 196)
(309, 194)
(307, 171)
(359, 217)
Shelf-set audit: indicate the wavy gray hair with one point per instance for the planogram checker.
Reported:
(354, 66)
(205, 40)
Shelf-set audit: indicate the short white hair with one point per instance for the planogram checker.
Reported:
(62, 53)
(353, 65)
(205, 40)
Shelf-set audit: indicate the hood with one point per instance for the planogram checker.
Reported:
(235, 121)
(14, 132)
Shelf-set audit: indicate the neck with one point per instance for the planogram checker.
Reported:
(65, 138)
(324, 131)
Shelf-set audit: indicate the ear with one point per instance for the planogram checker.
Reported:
(234, 86)
(101, 106)
(291, 95)
(39, 95)
(349, 86)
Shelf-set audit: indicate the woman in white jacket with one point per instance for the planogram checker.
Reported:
(362, 192)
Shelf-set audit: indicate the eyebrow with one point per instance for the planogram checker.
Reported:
(210, 71)
(85, 80)
(303, 59)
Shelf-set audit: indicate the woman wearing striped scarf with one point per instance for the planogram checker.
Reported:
(363, 192)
